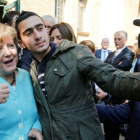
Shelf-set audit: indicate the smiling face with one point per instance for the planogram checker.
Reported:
(56, 37)
(8, 57)
(34, 36)
(105, 43)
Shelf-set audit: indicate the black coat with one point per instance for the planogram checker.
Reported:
(123, 61)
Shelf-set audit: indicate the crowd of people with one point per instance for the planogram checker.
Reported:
(53, 88)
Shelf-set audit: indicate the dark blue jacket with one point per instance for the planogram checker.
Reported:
(26, 60)
(124, 113)
(98, 53)
(123, 60)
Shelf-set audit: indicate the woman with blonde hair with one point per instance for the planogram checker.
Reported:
(18, 118)
(62, 31)
(89, 44)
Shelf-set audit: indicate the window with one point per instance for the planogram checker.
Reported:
(2, 4)
(81, 9)
(4, 7)
(59, 10)
(12, 6)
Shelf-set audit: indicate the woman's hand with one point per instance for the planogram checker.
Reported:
(4, 93)
(35, 133)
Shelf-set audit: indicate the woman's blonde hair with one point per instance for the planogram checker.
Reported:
(6, 32)
(89, 44)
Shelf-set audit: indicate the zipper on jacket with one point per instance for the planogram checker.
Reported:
(79, 129)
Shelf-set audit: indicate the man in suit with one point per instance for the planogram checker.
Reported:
(103, 53)
(122, 59)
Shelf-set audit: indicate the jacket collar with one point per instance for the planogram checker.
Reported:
(64, 45)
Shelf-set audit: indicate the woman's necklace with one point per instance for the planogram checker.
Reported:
(14, 79)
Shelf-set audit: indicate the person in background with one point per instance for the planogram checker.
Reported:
(49, 21)
(18, 118)
(62, 31)
(121, 59)
(124, 113)
(10, 18)
(89, 44)
(103, 53)
(136, 62)
(99, 95)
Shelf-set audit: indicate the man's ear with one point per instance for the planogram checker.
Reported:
(21, 44)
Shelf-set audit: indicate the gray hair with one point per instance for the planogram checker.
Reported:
(125, 36)
(48, 18)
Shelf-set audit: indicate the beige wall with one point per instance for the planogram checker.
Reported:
(130, 13)
(70, 13)
(41, 7)
(101, 19)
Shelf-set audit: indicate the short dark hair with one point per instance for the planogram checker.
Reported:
(24, 15)
(8, 17)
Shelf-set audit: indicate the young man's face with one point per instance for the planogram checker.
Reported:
(33, 35)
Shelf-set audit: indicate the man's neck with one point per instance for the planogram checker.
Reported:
(104, 49)
(120, 48)
(40, 56)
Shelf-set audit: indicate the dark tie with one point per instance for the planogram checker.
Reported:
(113, 58)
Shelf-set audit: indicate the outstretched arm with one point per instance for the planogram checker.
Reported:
(120, 84)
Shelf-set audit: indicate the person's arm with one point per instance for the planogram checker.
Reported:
(35, 133)
(36, 130)
(101, 94)
(126, 62)
(123, 85)
(114, 114)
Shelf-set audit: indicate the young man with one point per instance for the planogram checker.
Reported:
(62, 86)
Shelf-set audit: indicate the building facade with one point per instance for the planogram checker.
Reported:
(90, 19)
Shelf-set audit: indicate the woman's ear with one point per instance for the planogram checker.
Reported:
(21, 44)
